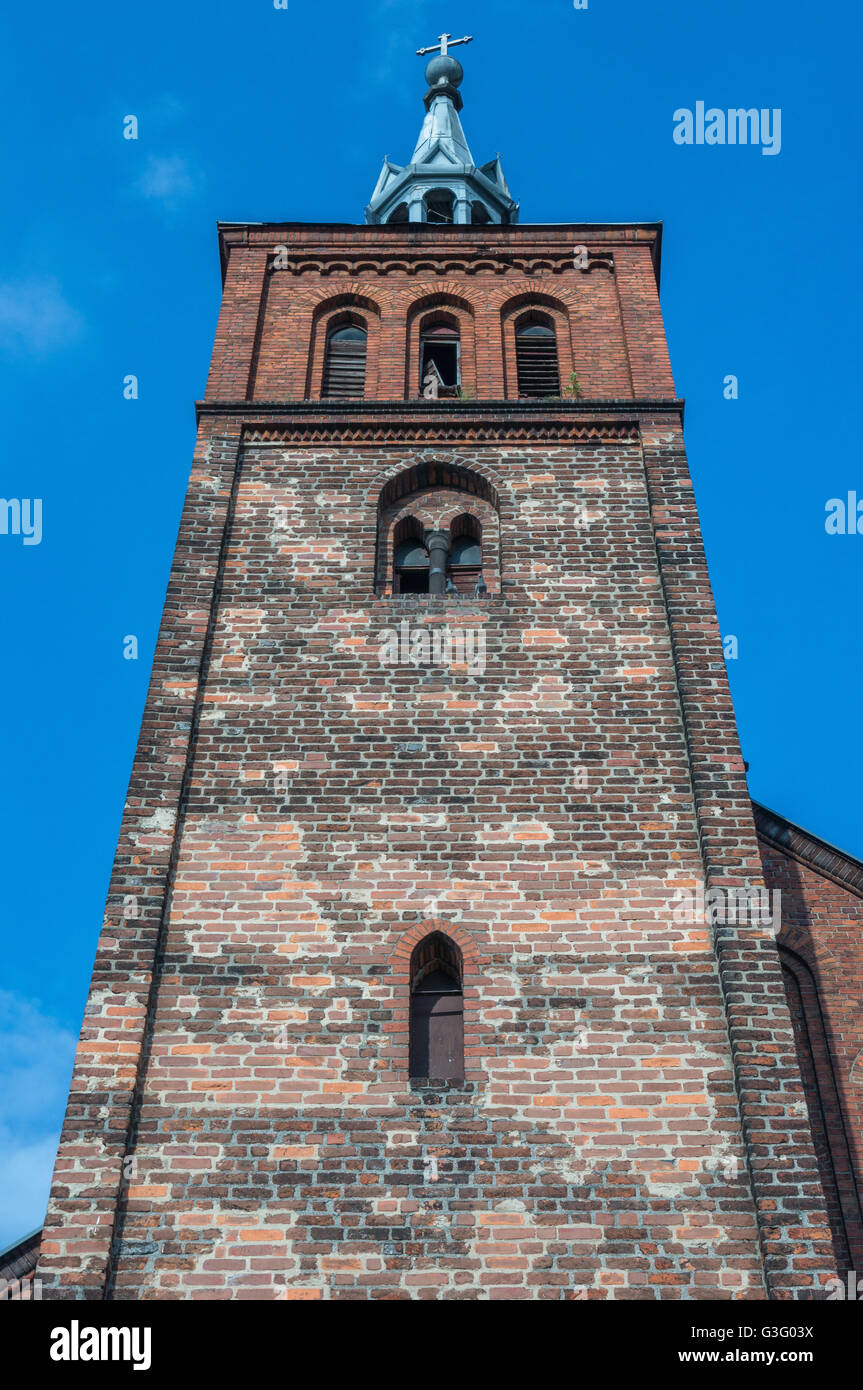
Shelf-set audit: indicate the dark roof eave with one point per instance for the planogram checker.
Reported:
(360, 409)
(18, 1261)
(817, 854)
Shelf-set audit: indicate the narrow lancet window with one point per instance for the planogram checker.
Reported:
(436, 1010)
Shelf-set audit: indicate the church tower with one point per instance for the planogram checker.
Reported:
(406, 987)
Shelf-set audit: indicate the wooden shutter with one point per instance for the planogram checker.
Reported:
(464, 578)
(345, 364)
(536, 360)
(437, 1036)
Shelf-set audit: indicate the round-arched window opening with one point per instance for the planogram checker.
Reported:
(345, 361)
(479, 215)
(440, 355)
(440, 206)
(399, 214)
(349, 334)
(536, 357)
(535, 330)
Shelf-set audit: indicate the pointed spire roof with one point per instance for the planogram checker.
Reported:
(442, 137)
(442, 183)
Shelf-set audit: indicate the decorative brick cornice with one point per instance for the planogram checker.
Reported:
(328, 247)
(420, 262)
(411, 422)
(433, 432)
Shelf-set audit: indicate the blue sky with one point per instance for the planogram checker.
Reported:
(109, 266)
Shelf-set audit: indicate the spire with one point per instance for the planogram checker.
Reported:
(442, 184)
(441, 136)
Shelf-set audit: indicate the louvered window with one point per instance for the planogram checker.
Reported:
(345, 364)
(536, 359)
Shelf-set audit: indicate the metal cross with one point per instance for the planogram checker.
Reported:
(446, 43)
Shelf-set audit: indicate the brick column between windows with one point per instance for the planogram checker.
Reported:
(437, 544)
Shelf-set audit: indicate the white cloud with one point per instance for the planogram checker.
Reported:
(35, 316)
(25, 1181)
(168, 180)
(36, 1055)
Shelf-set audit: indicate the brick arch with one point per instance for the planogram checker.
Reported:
(531, 297)
(418, 311)
(327, 309)
(558, 310)
(433, 508)
(347, 293)
(473, 958)
(400, 481)
(443, 507)
(495, 484)
(422, 477)
(439, 297)
(474, 961)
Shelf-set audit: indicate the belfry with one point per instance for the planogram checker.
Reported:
(394, 996)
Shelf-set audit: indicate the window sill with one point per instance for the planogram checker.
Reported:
(429, 1083)
(438, 600)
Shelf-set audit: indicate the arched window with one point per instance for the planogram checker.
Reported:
(440, 354)
(464, 565)
(410, 558)
(440, 205)
(399, 214)
(443, 510)
(479, 215)
(345, 361)
(436, 1010)
(536, 356)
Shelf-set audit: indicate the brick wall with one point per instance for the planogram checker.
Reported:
(272, 329)
(242, 1123)
(821, 944)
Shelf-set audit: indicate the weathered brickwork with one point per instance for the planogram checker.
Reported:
(821, 947)
(242, 1123)
(278, 302)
